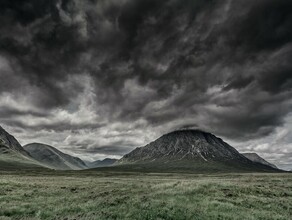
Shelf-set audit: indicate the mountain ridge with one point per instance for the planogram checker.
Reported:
(101, 163)
(11, 142)
(258, 159)
(12, 154)
(54, 158)
(193, 150)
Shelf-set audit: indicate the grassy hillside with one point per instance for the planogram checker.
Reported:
(107, 195)
(191, 166)
(53, 158)
(11, 160)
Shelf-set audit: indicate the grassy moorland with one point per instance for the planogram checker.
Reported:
(109, 195)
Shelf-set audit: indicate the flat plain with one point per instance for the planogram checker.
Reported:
(130, 195)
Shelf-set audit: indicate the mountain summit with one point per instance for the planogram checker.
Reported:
(190, 149)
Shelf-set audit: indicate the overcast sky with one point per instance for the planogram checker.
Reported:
(97, 78)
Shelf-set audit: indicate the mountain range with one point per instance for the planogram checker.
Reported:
(34, 156)
(256, 158)
(184, 150)
(101, 163)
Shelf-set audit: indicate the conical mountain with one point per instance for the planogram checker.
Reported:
(53, 158)
(190, 150)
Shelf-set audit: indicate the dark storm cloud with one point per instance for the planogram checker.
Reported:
(56, 127)
(26, 12)
(266, 26)
(224, 66)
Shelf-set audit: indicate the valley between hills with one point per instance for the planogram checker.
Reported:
(192, 151)
(187, 174)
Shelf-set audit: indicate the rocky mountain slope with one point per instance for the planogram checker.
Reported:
(192, 150)
(101, 163)
(12, 154)
(8, 140)
(256, 158)
(54, 158)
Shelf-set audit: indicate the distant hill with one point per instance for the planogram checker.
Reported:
(256, 158)
(12, 154)
(54, 158)
(101, 163)
(191, 150)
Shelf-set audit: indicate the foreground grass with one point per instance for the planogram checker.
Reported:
(101, 195)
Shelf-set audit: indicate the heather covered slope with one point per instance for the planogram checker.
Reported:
(54, 158)
(192, 150)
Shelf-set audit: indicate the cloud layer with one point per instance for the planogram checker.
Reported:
(100, 77)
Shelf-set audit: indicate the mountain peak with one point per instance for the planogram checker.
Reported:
(188, 147)
(185, 144)
(185, 133)
(10, 142)
(12, 154)
(188, 132)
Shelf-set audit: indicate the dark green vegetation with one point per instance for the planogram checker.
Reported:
(13, 160)
(122, 195)
(187, 166)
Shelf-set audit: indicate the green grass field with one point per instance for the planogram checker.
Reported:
(109, 195)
